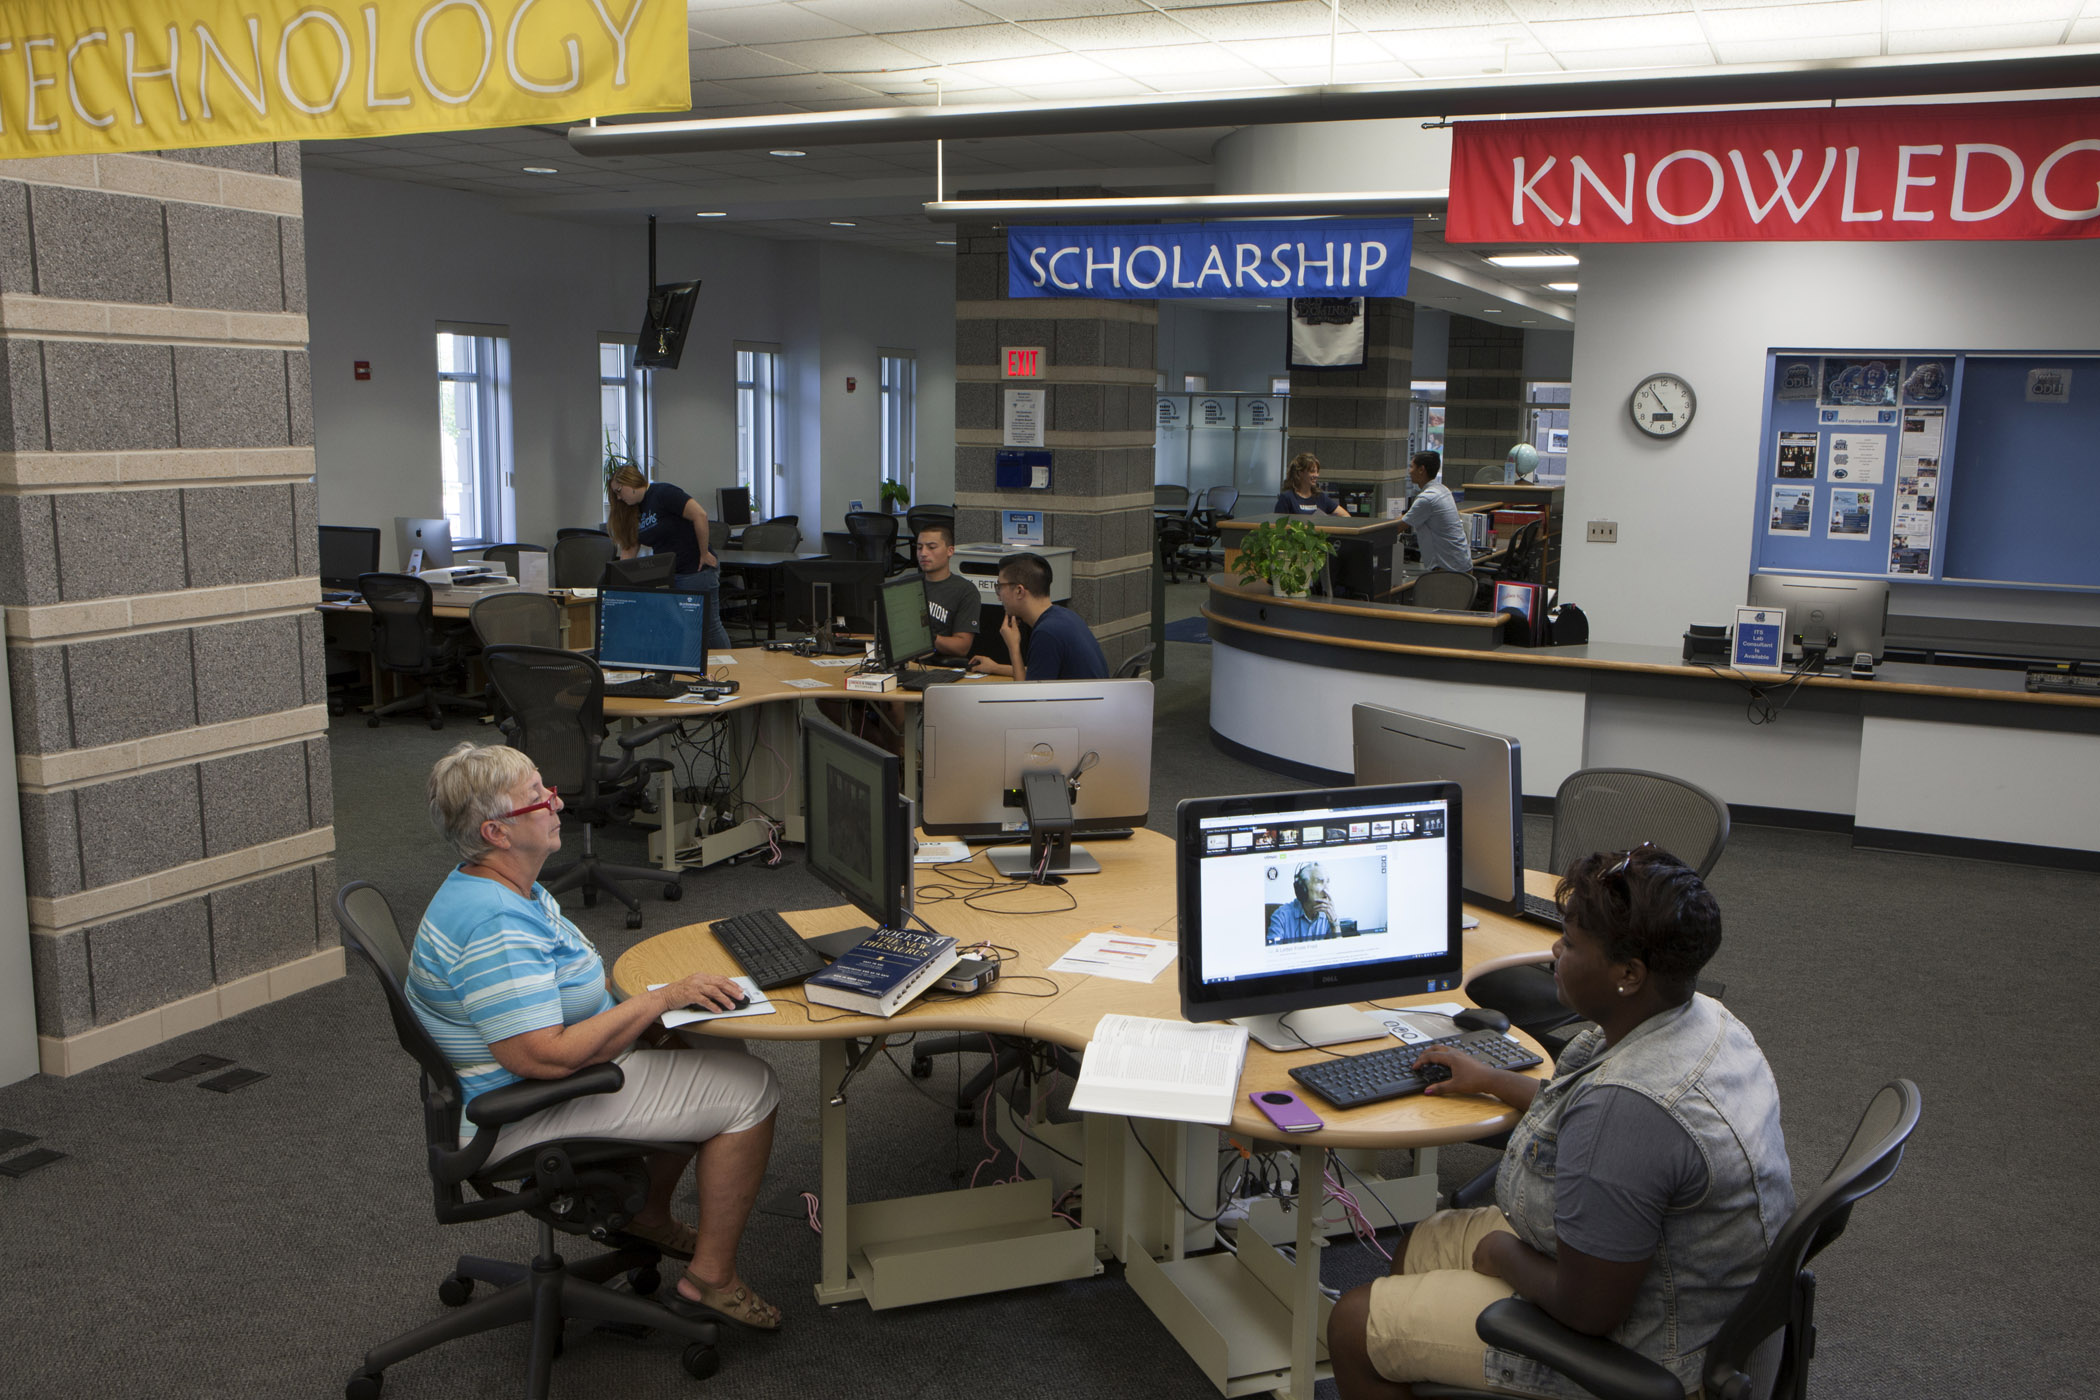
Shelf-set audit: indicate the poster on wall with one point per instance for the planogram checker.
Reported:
(1857, 459)
(1792, 506)
(1795, 379)
(1917, 490)
(1797, 456)
(1927, 381)
(2049, 385)
(1851, 515)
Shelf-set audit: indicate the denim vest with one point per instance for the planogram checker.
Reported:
(1702, 1067)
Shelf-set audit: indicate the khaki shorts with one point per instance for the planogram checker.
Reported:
(1420, 1326)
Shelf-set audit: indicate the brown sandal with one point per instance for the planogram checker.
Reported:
(672, 1237)
(738, 1305)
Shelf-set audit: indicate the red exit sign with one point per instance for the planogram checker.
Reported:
(1024, 362)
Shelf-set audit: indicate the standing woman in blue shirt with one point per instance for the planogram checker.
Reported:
(660, 515)
(1301, 494)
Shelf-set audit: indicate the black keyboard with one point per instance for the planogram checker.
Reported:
(647, 688)
(1355, 1080)
(772, 953)
(1537, 906)
(919, 680)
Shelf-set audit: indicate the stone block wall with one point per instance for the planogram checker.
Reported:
(1483, 397)
(1355, 420)
(157, 576)
(1099, 429)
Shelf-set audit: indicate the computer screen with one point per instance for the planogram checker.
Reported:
(433, 537)
(982, 737)
(651, 630)
(1393, 746)
(1294, 900)
(1856, 609)
(854, 584)
(642, 571)
(348, 551)
(857, 823)
(903, 633)
(733, 505)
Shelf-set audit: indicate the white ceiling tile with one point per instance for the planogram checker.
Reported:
(1111, 32)
(1029, 74)
(1384, 70)
(1628, 32)
(1429, 44)
(858, 54)
(1473, 67)
(1798, 50)
(1423, 14)
(1667, 56)
(892, 16)
(1024, 10)
(1795, 21)
(1541, 10)
(1182, 58)
(1267, 21)
(768, 24)
(1080, 89)
(804, 87)
(737, 61)
(1907, 39)
(1211, 81)
(978, 43)
(1955, 14)
(1306, 52)
(2086, 31)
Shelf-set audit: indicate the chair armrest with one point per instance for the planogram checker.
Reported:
(528, 1096)
(1480, 1191)
(648, 733)
(1594, 1363)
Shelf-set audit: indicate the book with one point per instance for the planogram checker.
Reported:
(1142, 1067)
(1527, 602)
(882, 972)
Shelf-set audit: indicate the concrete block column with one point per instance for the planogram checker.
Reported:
(1355, 420)
(1099, 431)
(1483, 397)
(157, 575)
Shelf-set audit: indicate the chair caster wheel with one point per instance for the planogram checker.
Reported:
(372, 722)
(644, 1281)
(363, 1387)
(673, 893)
(590, 898)
(437, 724)
(455, 1291)
(965, 1118)
(922, 1069)
(634, 920)
(700, 1361)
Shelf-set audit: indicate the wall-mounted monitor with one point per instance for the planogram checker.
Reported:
(665, 323)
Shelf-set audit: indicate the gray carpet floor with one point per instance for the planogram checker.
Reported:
(254, 1244)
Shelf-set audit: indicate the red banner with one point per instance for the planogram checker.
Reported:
(1993, 171)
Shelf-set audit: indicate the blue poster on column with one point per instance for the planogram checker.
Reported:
(1324, 257)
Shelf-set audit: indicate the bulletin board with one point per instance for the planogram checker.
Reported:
(1931, 466)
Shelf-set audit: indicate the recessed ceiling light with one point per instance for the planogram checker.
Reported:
(844, 223)
(1529, 321)
(1562, 286)
(1491, 311)
(790, 155)
(944, 243)
(541, 170)
(1534, 260)
(712, 214)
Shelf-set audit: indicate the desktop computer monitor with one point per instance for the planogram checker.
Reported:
(986, 744)
(1295, 904)
(857, 823)
(1393, 746)
(1856, 610)
(853, 585)
(642, 571)
(733, 506)
(902, 632)
(347, 553)
(433, 537)
(652, 630)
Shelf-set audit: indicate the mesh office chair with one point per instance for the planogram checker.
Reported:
(1440, 588)
(1134, 665)
(1524, 561)
(557, 701)
(1762, 1351)
(1170, 499)
(570, 532)
(406, 642)
(874, 537)
(517, 619)
(1215, 504)
(580, 1186)
(919, 517)
(580, 559)
(1606, 809)
(506, 555)
(774, 537)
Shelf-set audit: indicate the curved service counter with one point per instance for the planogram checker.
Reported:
(1942, 759)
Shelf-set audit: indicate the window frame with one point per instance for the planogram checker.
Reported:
(493, 469)
(897, 381)
(637, 386)
(759, 410)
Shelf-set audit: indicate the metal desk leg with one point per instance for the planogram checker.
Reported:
(914, 731)
(833, 1285)
(1305, 1282)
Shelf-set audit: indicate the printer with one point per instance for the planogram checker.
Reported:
(463, 585)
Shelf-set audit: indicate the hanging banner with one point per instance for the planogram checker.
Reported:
(1324, 257)
(2007, 170)
(86, 77)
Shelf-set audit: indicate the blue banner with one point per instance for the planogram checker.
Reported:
(1274, 258)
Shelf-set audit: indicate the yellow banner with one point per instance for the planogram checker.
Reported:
(81, 77)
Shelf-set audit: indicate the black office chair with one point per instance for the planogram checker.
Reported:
(1168, 499)
(506, 555)
(557, 700)
(1135, 665)
(1171, 536)
(1442, 589)
(874, 537)
(517, 619)
(406, 642)
(1205, 545)
(773, 537)
(580, 558)
(580, 1186)
(1762, 1351)
(1009, 1053)
(920, 517)
(1606, 809)
(1524, 560)
(570, 532)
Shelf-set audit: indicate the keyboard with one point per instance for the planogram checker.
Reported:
(772, 954)
(1537, 906)
(919, 680)
(1355, 1080)
(646, 688)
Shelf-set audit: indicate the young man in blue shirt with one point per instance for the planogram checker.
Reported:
(1060, 648)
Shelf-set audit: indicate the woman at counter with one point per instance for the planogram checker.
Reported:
(1643, 1185)
(1301, 494)
(662, 516)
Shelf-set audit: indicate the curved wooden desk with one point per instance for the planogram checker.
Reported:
(1271, 1341)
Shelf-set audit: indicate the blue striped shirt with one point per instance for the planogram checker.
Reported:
(490, 964)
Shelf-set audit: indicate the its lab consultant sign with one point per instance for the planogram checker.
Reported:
(89, 77)
(1324, 257)
(2014, 170)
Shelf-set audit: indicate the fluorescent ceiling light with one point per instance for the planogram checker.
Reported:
(944, 243)
(787, 155)
(1534, 259)
(541, 170)
(1562, 286)
(712, 214)
(1491, 311)
(844, 223)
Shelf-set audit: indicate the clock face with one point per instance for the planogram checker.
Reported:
(1662, 405)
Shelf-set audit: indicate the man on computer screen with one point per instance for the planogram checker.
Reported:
(952, 601)
(1060, 648)
(1310, 914)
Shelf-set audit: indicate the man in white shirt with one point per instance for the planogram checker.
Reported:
(1433, 518)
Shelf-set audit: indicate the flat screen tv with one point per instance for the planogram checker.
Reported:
(664, 324)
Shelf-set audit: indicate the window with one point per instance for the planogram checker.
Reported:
(758, 426)
(474, 432)
(900, 416)
(1546, 412)
(626, 402)
(1425, 416)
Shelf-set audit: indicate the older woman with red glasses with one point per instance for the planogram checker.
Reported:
(511, 990)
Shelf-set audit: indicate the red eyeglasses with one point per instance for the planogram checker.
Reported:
(544, 805)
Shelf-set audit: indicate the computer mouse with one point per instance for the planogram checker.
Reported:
(1480, 1018)
(1430, 1072)
(739, 1000)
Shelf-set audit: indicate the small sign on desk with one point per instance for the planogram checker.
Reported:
(1760, 639)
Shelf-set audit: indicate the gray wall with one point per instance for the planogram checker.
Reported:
(1241, 351)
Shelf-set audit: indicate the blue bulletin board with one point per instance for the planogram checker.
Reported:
(1930, 466)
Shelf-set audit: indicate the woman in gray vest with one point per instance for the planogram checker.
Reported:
(1640, 1190)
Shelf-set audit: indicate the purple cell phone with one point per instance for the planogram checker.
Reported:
(1287, 1111)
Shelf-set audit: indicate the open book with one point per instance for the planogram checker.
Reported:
(1146, 1068)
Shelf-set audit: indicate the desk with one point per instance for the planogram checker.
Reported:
(1363, 547)
(1253, 1322)
(348, 627)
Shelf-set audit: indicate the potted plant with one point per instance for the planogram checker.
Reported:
(895, 496)
(1285, 554)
